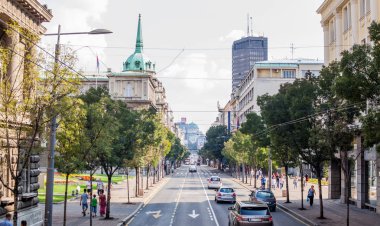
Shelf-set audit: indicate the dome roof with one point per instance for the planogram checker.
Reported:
(138, 61)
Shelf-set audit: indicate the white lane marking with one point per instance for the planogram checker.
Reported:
(177, 202)
(155, 214)
(193, 215)
(208, 200)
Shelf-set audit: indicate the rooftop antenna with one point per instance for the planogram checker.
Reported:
(247, 24)
(292, 48)
(251, 27)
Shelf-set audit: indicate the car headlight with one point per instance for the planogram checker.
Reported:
(268, 202)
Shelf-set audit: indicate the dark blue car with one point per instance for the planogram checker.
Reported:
(265, 196)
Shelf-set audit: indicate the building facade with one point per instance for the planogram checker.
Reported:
(29, 15)
(345, 23)
(136, 85)
(245, 52)
(266, 77)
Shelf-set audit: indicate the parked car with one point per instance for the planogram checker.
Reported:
(192, 168)
(214, 182)
(225, 194)
(249, 213)
(265, 196)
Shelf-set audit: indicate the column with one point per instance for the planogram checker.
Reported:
(362, 182)
(374, 10)
(355, 21)
(334, 179)
(326, 43)
(338, 33)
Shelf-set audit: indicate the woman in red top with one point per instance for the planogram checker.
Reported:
(102, 203)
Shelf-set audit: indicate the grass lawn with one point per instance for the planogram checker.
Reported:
(56, 198)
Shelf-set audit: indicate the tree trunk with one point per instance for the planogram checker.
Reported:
(137, 179)
(302, 188)
(15, 204)
(65, 200)
(147, 177)
(255, 179)
(154, 175)
(287, 184)
(128, 186)
(250, 175)
(321, 215)
(142, 179)
(91, 173)
(108, 209)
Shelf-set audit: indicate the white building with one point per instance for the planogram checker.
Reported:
(267, 77)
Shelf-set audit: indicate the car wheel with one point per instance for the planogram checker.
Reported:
(216, 201)
(233, 202)
(273, 209)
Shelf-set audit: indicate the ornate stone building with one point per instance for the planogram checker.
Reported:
(28, 14)
(137, 84)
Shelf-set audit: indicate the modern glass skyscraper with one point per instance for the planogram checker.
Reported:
(245, 52)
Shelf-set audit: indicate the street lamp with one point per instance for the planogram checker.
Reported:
(53, 127)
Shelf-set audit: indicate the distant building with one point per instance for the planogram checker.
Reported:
(193, 138)
(245, 52)
(137, 85)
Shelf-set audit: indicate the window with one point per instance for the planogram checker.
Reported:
(288, 73)
(347, 17)
(365, 7)
(254, 211)
(332, 31)
(368, 6)
(128, 90)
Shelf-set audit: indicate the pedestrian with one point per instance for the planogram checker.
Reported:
(263, 181)
(306, 179)
(273, 182)
(83, 202)
(277, 180)
(281, 182)
(23, 223)
(295, 182)
(99, 186)
(102, 203)
(94, 205)
(7, 220)
(310, 195)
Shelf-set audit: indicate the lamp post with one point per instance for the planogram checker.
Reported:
(53, 127)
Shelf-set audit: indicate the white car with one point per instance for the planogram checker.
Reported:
(214, 182)
(193, 169)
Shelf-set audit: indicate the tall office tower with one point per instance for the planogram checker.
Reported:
(245, 52)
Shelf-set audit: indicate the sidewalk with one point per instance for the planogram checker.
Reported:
(120, 210)
(334, 211)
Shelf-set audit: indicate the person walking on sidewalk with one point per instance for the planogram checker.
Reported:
(263, 180)
(7, 221)
(310, 195)
(295, 182)
(83, 202)
(102, 203)
(94, 205)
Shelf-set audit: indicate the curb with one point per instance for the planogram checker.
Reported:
(285, 209)
(144, 202)
(297, 216)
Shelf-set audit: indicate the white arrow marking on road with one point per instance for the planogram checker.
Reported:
(156, 214)
(193, 215)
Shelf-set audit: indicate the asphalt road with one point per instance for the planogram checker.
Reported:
(185, 200)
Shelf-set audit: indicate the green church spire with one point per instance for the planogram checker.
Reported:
(139, 39)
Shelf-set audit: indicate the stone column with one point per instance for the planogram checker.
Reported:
(326, 42)
(362, 182)
(374, 10)
(338, 32)
(355, 21)
(334, 179)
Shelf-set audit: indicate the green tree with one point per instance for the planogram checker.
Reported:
(215, 138)
(70, 136)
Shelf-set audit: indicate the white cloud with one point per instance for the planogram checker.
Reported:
(232, 36)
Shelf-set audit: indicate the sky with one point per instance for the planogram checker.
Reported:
(190, 41)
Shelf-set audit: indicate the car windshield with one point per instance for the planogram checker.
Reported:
(254, 211)
(264, 195)
(226, 190)
(215, 179)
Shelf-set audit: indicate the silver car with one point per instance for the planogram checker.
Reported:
(214, 182)
(225, 194)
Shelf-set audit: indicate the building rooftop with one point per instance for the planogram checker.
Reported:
(291, 61)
